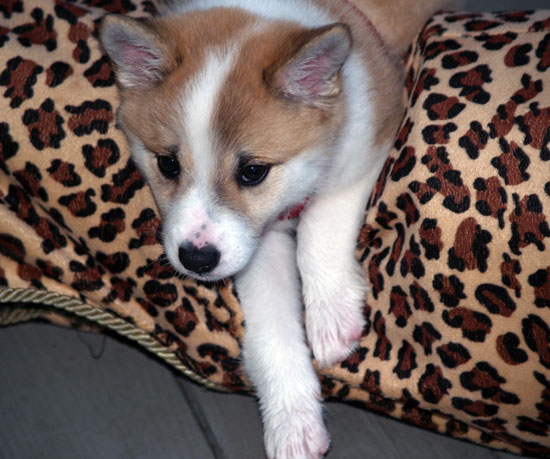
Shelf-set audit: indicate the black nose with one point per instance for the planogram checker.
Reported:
(200, 261)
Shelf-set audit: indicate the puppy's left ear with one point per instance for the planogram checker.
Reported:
(311, 74)
(139, 55)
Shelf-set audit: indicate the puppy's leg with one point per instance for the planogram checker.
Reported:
(333, 284)
(275, 353)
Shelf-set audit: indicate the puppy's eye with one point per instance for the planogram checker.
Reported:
(252, 174)
(169, 166)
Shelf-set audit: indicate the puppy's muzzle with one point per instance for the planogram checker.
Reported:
(199, 261)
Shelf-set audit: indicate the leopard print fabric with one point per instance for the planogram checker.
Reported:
(453, 244)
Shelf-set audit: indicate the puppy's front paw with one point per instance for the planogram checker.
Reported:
(296, 434)
(334, 316)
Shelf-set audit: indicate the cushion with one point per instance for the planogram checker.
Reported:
(453, 243)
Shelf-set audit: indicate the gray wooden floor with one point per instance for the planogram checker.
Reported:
(74, 395)
(58, 400)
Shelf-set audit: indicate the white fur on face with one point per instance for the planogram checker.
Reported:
(191, 219)
(197, 107)
(197, 216)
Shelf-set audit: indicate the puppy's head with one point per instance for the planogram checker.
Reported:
(231, 119)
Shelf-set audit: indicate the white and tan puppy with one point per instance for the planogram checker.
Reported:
(237, 111)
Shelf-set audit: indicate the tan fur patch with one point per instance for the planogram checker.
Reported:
(251, 118)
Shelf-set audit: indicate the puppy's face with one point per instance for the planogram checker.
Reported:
(230, 119)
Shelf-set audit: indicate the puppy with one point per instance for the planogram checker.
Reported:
(241, 113)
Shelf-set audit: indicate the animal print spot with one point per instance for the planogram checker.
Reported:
(112, 223)
(496, 42)
(512, 164)
(183, 318)
(99, 158)
(442, 107)
(406, 204)
(534, 124)
(426, 80)
(508, 349)
(57, 73)
(510, 269)
(543, 53)
(399, 306)
(459, 59)
(412, 261)
(425, 335)
(404, 164)
(436, 48)
(353, 362)
(90, 116)
(219, 354)
(45, 126)
(540, 281)
(403, 134)
(8, 7)
(450, 288)
(126, 182)
(529, 224)
(536, 333)
(39, 32)
(161, 294)
(64, 173)
(12, 247)
(496, 299)
(518, 55)
(421, 298)
(8, 147)
(87, 277)
(471, 84)
(430, 238)
(121, 289)
(19, 77)
(49, 270)
(383, 346)
(115, 263)
(486, 379)
(527, 424)
(474, 325)
(477, 408)
(19, 202)
(480, 25)
(79, 34)
(80, 204)
(69, 12)
(147, 227)
(100, 74)
(30, 179)
(406, 361)
(397, 248)
(438, 133)
(470, 253)
(453, 355)
(433, 385)
(491, 198)
(474, 140)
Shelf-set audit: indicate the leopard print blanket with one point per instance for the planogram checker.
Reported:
(453, 244)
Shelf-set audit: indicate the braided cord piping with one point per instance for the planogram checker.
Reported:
(93, 314)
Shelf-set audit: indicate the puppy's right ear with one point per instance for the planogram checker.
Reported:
(139, 56)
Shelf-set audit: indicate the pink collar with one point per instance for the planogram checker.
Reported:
(295, 211)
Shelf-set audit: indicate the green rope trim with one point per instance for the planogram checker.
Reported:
(15, 315)
(94, 314)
